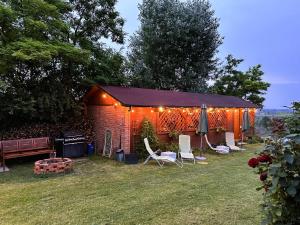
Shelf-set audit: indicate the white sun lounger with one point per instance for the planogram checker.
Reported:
(219, 149)
(229, 136)
(185, 150)
(159, 159)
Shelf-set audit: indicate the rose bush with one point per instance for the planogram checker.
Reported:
(278, 166)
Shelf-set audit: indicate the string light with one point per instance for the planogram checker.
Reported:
(131, 109)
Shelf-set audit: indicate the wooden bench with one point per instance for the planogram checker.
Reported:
(24, 147)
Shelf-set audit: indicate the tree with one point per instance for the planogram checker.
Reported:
(47, 48)
(91, 21)
(293, 121)
(248, 85)
(175, 46)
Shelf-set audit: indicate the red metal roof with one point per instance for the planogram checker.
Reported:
(150, 97)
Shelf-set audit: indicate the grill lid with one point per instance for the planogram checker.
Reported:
(71, 134)
(71, 137)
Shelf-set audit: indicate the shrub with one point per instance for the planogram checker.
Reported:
(255, 139)
(278, 166)
(293, 122)
(174, 134)
(173, 147)
(265, 122)
(147, 131)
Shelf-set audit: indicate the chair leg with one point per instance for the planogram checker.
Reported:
(161, 165)
(178, 163)
(147, 160)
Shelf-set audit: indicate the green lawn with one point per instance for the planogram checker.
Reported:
(106, 192)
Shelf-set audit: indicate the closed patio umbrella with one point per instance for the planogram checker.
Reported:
(245, 123)
(202, 128)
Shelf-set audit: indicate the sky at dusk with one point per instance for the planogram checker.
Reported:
(261, 32)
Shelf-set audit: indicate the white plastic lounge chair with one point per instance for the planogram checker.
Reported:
(185, 150)
(229, 136)
(159, 159)
(219, 149)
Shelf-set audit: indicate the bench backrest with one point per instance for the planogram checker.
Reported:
(25, 144)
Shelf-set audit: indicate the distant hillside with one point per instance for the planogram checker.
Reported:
(274, 112)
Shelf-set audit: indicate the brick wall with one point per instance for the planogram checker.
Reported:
(114, 118)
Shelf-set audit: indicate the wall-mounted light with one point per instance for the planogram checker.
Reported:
(104, 96)
(130, 109)
(160, 109)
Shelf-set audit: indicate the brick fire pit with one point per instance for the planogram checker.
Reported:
(54, 165)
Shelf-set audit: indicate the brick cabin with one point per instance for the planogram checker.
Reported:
(122, 109)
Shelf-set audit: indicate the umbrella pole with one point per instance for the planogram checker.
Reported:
(242, 139)
(201, 146)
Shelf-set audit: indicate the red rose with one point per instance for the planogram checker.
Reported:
(253, 162)
(264, 158)
(263, 176)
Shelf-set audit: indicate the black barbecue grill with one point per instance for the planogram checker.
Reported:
(71, 144)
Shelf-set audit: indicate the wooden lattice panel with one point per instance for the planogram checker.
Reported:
(178, 119)
(217, 119)
(173, 120)
(192, 120)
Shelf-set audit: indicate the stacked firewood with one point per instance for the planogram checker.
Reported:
(84, 126)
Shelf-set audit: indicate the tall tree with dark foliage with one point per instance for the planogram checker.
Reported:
(48, 50)
(248, 85)
(176, 45)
